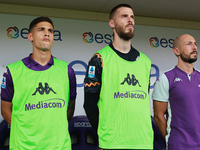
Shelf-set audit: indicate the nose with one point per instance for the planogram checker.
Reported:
(195, 46)
(46, 33)
(131, 20)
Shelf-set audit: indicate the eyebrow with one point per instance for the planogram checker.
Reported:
(50, 29)
(192, 42)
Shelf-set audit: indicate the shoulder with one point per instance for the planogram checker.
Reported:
(14, 64)
(59, 61)
(166, 76)
(162, 79)
(172, 73)
(6, 76)
(96, 59)
(142, 55)
(105, 50)
(198, 71)
(15, 67)
(70, 71)
(161, 89)
(25, 60)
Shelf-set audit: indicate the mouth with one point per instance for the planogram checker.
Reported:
(130, 26)
(194, 52)
(46, 40)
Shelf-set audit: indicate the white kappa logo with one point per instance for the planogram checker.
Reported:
(177, 80)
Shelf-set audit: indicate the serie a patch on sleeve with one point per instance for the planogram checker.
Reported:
(91, 72)
(3, 84)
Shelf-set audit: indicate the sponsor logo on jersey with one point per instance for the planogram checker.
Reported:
(3, 84)
(49, 103)
(177, 80)
(131, 80)
(137, 94)
(41, 90)
(91, 72)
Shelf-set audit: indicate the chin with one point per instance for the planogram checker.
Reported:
(45, 50)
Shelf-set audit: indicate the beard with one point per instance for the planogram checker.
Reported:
(124, 35)
(188, 59)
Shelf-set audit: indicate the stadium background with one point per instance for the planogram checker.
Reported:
(79, 34)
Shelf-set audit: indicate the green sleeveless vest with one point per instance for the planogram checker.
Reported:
(39, 113)
(124, 107)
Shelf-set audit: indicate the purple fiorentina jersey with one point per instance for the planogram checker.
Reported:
(183, 110)
(7, 89)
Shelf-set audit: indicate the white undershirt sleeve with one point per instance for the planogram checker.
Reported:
(161, 89)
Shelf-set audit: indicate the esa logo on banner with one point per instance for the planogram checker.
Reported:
(14, 33)
(163, 42)
(89, 37)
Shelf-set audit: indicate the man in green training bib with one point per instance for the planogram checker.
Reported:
(38, 95)
(116, 89)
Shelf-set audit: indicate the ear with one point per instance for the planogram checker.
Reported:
(111, 23)
(176, 51)
(30, 37)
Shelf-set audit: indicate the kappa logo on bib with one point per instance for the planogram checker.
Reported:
(133, 94)
(41, 90)
(131, 81)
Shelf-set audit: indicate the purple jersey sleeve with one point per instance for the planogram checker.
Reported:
(7, 89)
(72, 83)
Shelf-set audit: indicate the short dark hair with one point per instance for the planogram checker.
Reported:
(113, 11)
(38, 20)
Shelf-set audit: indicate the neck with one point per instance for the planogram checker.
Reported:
(122, 46)
(41, 57)
(186, 67)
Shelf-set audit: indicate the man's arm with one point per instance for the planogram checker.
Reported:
(91, 109)
(72, 85)
(160, 109)
(160, 98)
(7, 92)
(6, 111)
(70, 109)
(92, 89)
